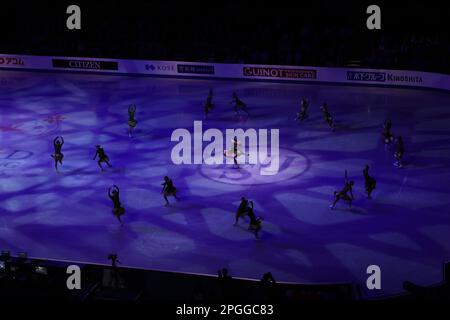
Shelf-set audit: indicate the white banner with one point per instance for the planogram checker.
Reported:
(230, 71)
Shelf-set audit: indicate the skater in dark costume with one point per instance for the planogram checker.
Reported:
(58, 142)
(238, 104)
(388, 137)
(345, 194)
(327, 116)
(303, 113)
(255, 223)
(102, 157)
(118, 210)
(209, 105)
(131, 120)
(168, 189)
(398, 154)
(369, 182)
(242, 210)
(234, 151)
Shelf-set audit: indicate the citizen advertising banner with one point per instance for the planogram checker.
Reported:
(85, 64)
(393, 78)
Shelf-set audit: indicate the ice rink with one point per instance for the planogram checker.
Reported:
(404, 229)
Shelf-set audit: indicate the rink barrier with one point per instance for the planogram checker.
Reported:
(168, 284)
(361, 76)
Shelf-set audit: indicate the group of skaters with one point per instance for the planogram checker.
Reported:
(168, 187)
(58, 143)
(58, 156)
(101, 157)
(346, 193)
(246, 207)
(388, 138)
(239, 106)
(302, 115)
(118, 210)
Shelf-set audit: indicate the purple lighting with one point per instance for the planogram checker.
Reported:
(405, 228)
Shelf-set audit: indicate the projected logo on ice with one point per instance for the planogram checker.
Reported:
(258, 162)
(40, 127)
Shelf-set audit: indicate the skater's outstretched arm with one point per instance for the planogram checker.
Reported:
(117, 189)
(109, 193)
(96, 154)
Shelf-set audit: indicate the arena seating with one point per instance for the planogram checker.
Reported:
(300, 33)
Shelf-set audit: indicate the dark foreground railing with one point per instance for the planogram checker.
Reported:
(37, 279)
(23, 278)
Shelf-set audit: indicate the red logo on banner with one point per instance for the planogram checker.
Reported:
(11, 61)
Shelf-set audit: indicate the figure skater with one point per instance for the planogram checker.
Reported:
(255, 223)
(242, 210)
(58, 142)
(398, 154)
(168, 189)
(327, 116)
(102, 157)
(234, 152)
(209, 105)
(131, 120)
(238, 104)
(116, 280)
(118, 210)
(345, 194)
(369, 182)
(388, 137)
(303, 113)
